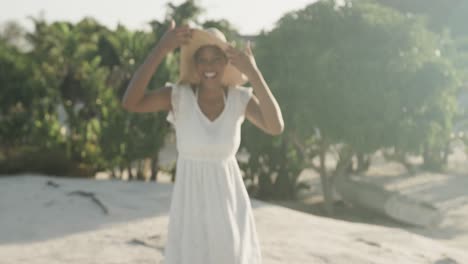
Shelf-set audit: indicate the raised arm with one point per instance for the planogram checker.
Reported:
(262, 110)
(136, 98)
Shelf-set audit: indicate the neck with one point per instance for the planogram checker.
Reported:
(210, 91)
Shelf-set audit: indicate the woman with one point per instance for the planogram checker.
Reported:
(210, 220)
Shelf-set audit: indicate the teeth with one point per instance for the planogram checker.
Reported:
(210, 74)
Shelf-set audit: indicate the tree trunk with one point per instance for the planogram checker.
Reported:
(265, 185)
(129, 170)
(139, 171)
(283, 187)
(121, 171)
(326, 187)
(363, 163)
(154, 169)
(173, 171)
(446, 153)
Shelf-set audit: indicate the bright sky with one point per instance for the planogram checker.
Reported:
(248, 16)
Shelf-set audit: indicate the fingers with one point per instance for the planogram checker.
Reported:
(183, 28)
(181, 34)
(248, 47)
(172, 24)
(233, 54)
(241, 59)
(230, 50)
(176, 36)
(178, 29)
(184, 35)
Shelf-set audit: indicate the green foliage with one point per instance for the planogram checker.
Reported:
(449, 18)
(360, 75)
(441, 15)
(39, 160)
(81, 69)
(184, 13)
(25, 116)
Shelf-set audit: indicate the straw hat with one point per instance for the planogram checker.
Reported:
(210, 36)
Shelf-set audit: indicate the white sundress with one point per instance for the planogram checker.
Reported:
(210, 219)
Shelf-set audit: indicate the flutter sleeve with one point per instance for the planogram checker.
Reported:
(175, 102)
(245, 94)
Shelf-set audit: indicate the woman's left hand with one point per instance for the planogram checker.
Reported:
(244, 61)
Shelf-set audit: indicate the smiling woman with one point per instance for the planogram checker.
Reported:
(211, 218)
(210, 61)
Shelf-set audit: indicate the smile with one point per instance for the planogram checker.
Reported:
(210, 74)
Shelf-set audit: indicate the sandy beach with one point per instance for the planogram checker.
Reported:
(61, 220)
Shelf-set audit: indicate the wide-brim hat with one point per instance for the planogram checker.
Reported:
(211, 36)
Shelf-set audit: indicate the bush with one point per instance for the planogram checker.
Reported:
(43, 161)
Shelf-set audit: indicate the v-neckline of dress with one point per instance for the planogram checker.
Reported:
(220, 115)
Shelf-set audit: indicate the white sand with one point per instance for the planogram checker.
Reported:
(40, 223)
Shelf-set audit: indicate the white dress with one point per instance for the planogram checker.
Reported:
(210, 220)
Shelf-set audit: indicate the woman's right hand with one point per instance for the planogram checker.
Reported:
(176, 36)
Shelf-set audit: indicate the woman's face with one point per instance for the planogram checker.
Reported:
(210, 62)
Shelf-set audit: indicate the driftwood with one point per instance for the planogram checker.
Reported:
(52, 184)
(92, 196)
(390, 203)
(151, 242)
